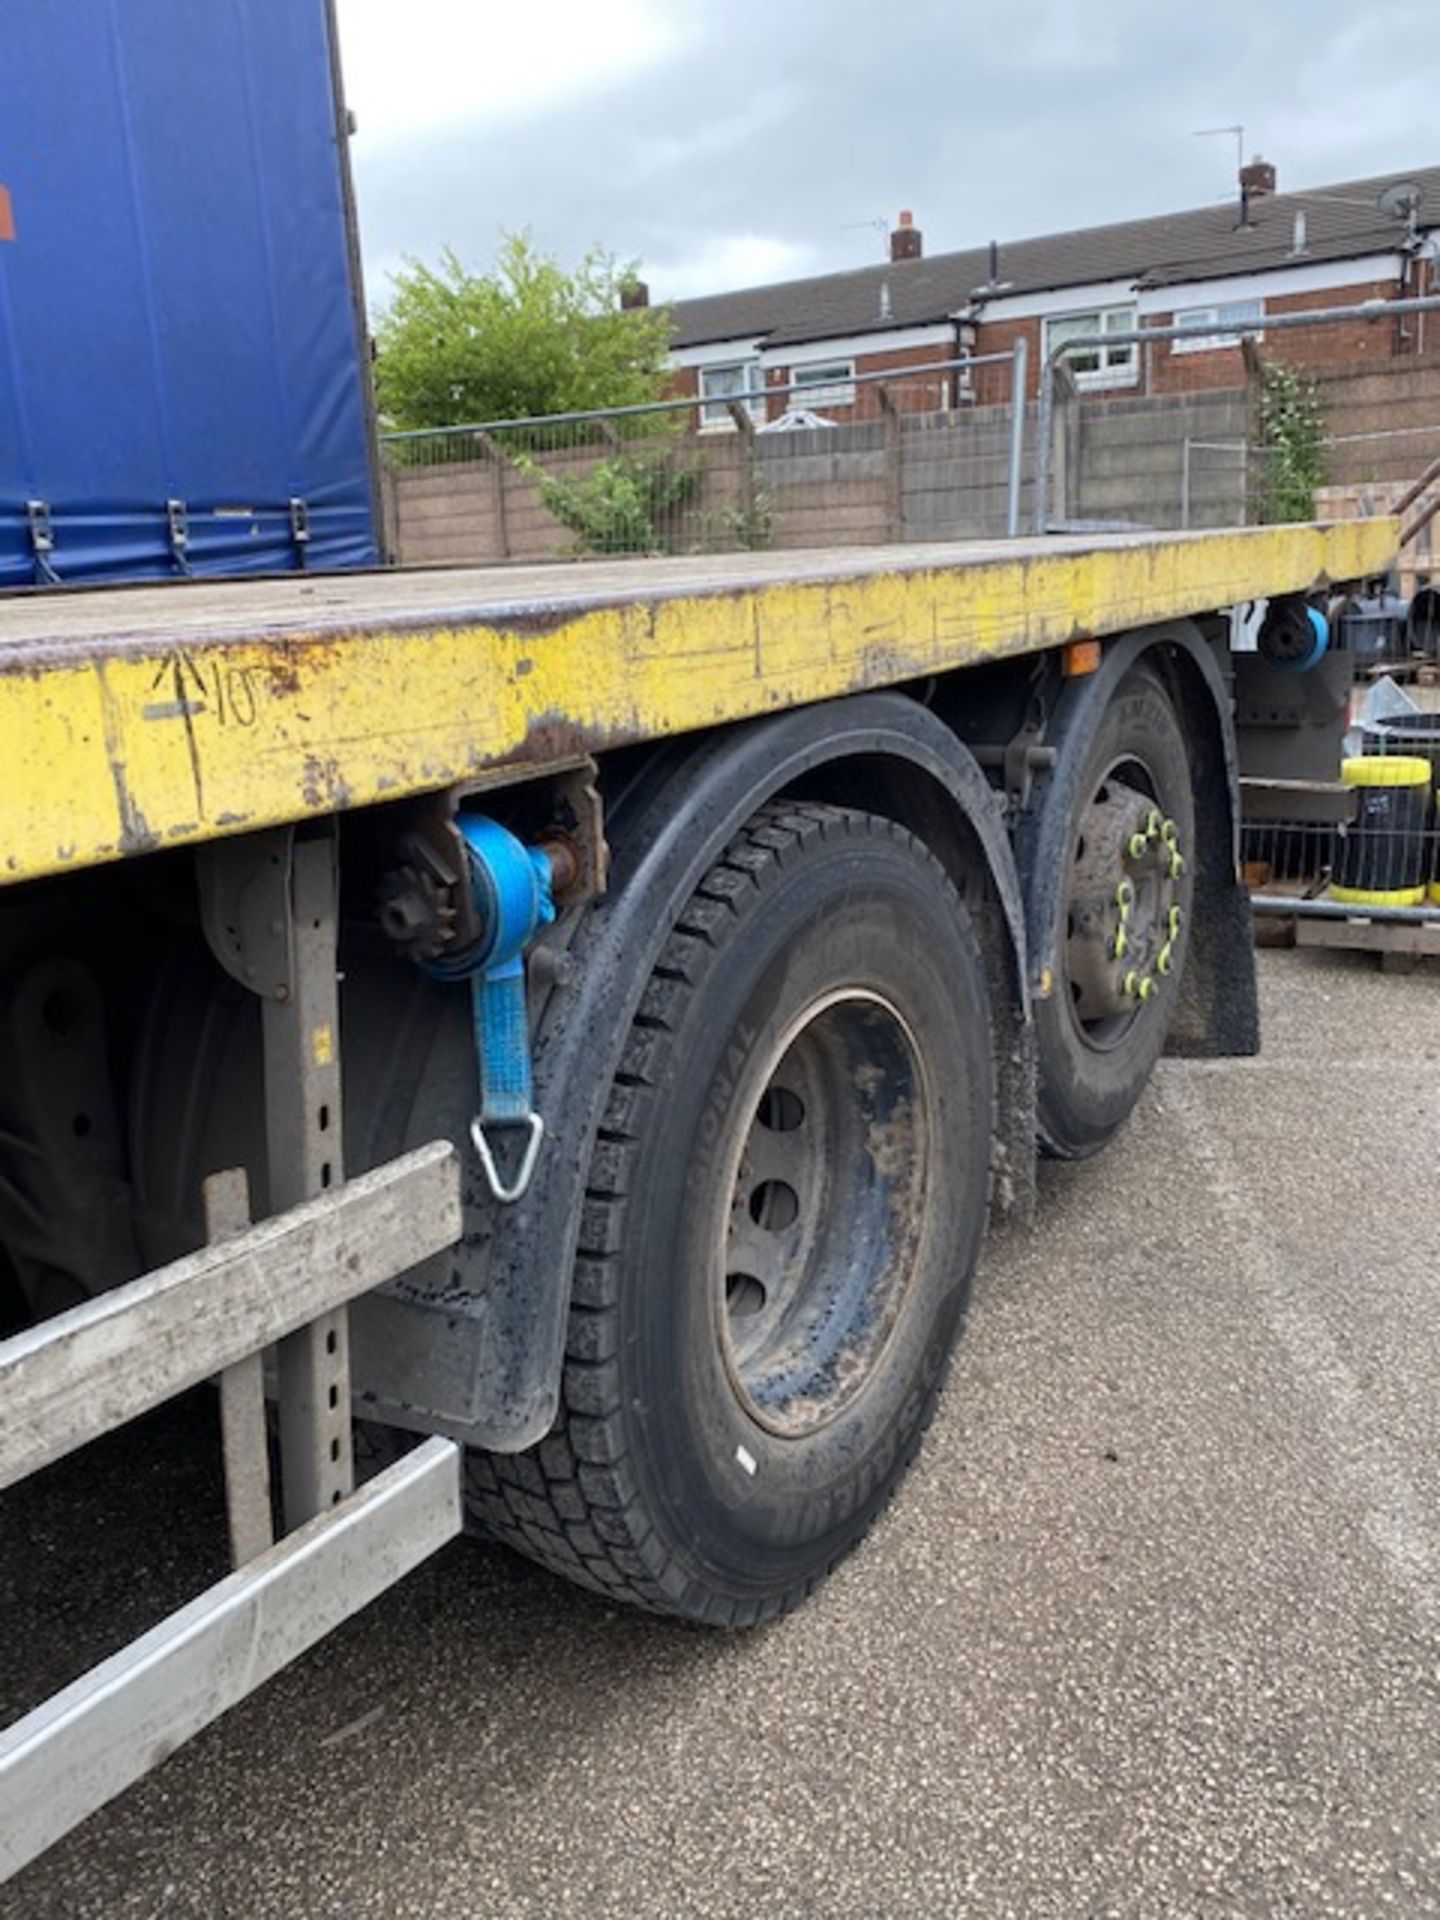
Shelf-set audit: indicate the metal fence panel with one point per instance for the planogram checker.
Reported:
(933, 452)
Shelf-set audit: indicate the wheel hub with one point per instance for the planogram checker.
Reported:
(1124, 912)
(825, 1214)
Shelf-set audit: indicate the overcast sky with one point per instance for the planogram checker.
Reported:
(728, 142)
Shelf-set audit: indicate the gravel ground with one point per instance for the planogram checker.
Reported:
(1153, 1629)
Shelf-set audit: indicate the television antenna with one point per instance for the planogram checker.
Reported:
(880, 224)
(1236, 133)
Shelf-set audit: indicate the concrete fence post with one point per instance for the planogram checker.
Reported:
(894, 460)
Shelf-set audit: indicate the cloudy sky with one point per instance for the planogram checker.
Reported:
(729, 142)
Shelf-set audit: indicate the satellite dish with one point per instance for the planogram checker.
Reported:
(1400, 200)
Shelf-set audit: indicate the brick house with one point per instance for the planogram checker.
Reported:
(1262, 253)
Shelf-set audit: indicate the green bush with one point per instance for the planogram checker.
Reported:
(1292, 433)
(626, 504)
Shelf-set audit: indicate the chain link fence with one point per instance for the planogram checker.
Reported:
(934, 452)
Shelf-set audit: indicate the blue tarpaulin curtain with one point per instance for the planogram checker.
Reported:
(177, 319)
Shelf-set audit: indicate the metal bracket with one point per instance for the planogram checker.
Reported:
(300, 530)
(269, 906)
(301, 1035)
(244, 1435)
(1025, 757)
(1019, 760)
(42, 541)
(237, 882)
(432, 847)
(177, 522)
(583, 818)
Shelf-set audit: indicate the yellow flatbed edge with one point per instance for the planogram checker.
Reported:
(139, 718)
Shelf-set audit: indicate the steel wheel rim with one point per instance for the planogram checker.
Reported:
(825, 1220)
(1122, 933)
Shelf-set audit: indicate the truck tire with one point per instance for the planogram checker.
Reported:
(784, 1209)
(1122, 925)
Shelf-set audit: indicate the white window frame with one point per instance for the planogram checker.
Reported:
(715, 413)
(1241, 316)
(1117, 366)
(822, 383)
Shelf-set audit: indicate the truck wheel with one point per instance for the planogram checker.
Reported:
(784, 1208)
(1123, 927)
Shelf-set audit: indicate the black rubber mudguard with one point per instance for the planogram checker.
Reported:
(1217, 1013)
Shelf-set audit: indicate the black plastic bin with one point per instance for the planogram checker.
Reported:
(1416, 735)
(1385, 856)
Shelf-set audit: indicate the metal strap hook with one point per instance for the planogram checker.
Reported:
(508, 1195)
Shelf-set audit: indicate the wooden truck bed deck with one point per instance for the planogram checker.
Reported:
(142, 717)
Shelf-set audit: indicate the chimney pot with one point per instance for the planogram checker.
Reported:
(634, 294)
(1257, 179)
(906, 241)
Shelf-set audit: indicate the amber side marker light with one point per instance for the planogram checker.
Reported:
(1080, 656)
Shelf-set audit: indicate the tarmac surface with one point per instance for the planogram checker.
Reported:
(1153, 1628)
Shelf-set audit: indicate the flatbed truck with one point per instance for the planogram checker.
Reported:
(561, 1034)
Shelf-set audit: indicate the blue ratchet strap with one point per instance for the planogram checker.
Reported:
(502, 1053)
(512, 890)
(511, 884)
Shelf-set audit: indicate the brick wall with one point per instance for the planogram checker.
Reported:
(1346, 343)
(923, 394)
(999, 336)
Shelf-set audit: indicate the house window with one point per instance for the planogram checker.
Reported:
(824, 383)
(1104, 366)
(1242, 314)
(735, 380)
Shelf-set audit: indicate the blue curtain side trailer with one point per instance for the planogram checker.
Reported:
(184, 377)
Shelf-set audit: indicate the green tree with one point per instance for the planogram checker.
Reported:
(527, 338)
